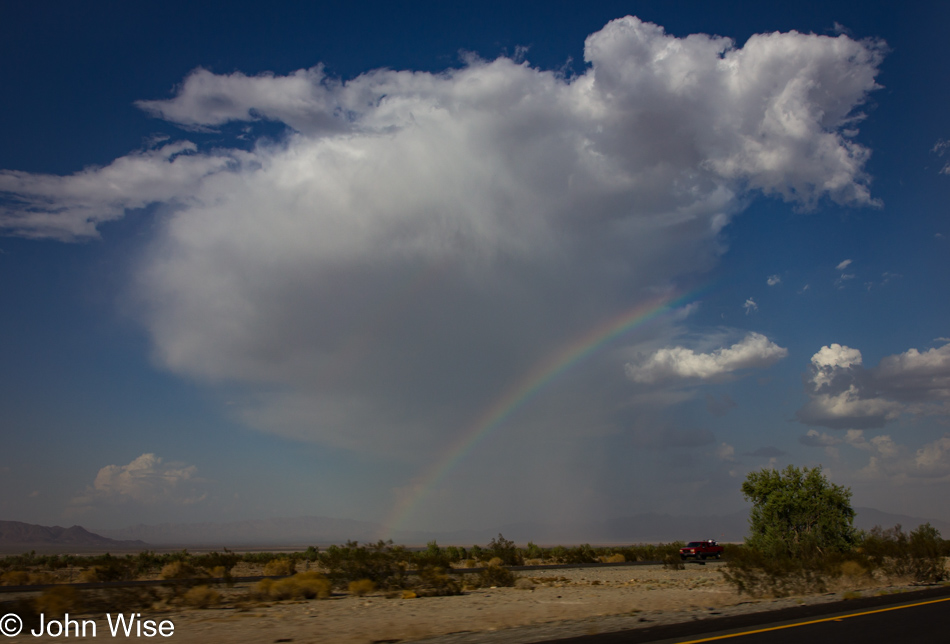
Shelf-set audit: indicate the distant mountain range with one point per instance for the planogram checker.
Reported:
(16, 536)
(321, 531)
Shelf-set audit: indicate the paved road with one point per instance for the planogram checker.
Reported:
(911, 617)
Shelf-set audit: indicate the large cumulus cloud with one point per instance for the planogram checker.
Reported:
(418, 241)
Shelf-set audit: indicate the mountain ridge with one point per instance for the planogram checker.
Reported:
(317, 530)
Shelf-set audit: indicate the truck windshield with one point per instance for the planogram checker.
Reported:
(694, 544)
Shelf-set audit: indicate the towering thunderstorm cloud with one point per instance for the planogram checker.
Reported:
(415, 241)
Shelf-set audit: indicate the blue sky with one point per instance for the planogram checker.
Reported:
(279, 263)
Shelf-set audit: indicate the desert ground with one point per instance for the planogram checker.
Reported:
(545, 604)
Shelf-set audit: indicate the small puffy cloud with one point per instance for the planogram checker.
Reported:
(755, 351)
(843, 394)
(726, 452)
(750, 306)
(773, 280)
(832, 360)
(146, 480)
(843, 265)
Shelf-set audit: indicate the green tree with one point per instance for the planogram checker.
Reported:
(798, 513)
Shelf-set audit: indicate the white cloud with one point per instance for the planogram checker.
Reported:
(843, 394)
(843, 265)
(750, 306)
(69, 208)
(417, 241)
(726, 452)
(773, 280)
(755, 351)
(940, 148)
(146, 480)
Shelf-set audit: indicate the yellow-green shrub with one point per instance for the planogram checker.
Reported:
(178, 570)
(279, 567)
(202, 597)
(362, 587)
(304, 585)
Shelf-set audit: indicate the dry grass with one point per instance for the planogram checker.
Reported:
(15, 578)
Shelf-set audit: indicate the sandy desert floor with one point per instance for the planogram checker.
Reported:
(562, 603)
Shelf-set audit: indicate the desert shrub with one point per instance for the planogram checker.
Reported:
(523, 583)
(533, 551)
(757, 573)
(279, 567)
(467, 563)
(15, 578)
(202, 597)
(58, 601)
(579, 555)
(381, 563)
(303, 585)
(496, 576)
(433, 556)
(109, 568)
(505, 550)
(361, 587)
(89, 576)
(432, 581)
(456, 554)
(218, 564)
(852, 569)
(179, 570)
(617, 558)
(896, 553)
(495, 561)
(673, 561)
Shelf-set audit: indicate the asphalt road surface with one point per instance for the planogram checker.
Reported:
(911, 617)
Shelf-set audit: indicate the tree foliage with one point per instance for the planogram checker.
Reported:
(798, 513)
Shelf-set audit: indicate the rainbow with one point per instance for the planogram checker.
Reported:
(526, 387)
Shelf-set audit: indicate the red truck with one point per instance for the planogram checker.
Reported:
(701, 550)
